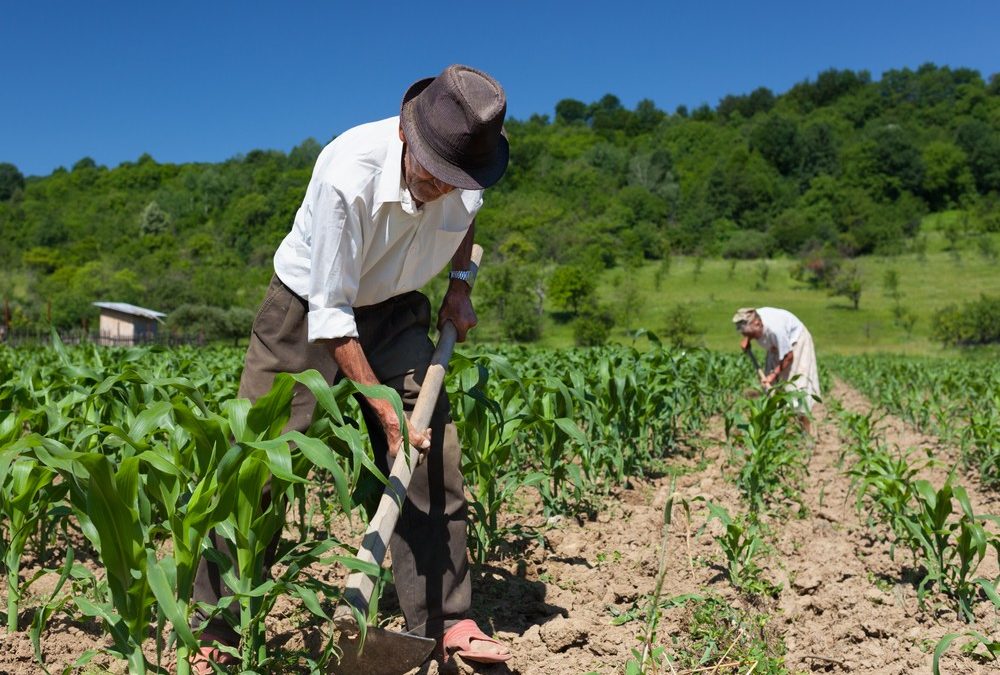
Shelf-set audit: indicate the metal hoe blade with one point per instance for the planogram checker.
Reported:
(385, 652)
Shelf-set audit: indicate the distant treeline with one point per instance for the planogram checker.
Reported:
(842, 164)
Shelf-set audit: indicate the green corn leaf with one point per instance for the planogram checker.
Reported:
(319, 454)
(162, 575)
(269, 415)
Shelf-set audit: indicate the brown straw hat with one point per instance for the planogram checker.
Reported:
(453, 124)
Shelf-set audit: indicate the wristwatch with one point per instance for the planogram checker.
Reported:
(468, 276)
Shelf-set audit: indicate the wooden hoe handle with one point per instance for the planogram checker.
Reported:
(375, 543)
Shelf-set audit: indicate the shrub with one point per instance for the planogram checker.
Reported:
(974, 323)
(748, 244)
(681, 331)
(593, 327)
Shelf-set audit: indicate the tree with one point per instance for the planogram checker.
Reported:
(154, 220)
(947, 177)
(982, 146)
(645, 118)
(84, 163)
(11, 181)
(608, 114)
(304, 155)
(593, 327)
(207, 322)
(571, 111)
(847, 283)
(511, 292)
(759, 100)
(570, 287)
(974, 323)
(629, 300)
(896, 161)
(890, 285)
(680, 330)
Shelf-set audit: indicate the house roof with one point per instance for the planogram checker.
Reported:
(126, 308)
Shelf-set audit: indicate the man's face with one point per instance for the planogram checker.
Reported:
(422, 185)
(754, 328)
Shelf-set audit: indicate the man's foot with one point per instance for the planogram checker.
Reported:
(472, 644)
(201, 662)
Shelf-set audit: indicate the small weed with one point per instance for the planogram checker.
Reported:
(727, 639)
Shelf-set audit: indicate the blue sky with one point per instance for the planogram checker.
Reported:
(204, 81)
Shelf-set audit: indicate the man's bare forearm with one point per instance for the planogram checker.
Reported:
(351, 360)
(785, 364)
(462, 259)
(353, 363)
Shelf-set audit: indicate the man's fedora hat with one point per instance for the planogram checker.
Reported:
(453, 125)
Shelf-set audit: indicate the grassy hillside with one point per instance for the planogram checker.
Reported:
(926, 284)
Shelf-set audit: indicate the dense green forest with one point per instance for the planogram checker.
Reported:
(838, 166)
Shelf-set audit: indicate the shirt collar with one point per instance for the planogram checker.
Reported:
(390, 186)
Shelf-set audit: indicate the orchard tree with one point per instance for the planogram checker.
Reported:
(571, 287)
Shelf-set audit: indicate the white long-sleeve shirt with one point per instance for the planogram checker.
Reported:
(781, 330)
(358, 238)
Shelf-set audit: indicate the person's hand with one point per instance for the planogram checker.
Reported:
(457, 308)
(768, 380)
(419, 438)
(745, 343)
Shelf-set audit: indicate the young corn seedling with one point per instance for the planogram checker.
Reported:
(742, 543)
(990, 646)
(26, 491)
(951, 549)
(886, 481)
(560, 440)
(766, 451)
(981, 440)
(488, 429)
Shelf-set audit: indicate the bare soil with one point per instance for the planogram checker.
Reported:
(845, 605)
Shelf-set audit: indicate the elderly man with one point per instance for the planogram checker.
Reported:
(388, 205)
(789, 348)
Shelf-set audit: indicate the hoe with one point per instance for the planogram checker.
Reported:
(380, 651)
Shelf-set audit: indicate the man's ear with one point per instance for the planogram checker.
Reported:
(402, 136)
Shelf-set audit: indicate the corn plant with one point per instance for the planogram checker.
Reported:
(886, 482)
(488, 429)
(991, 647)
(981, 440)
(264, 456)
(768, 451)
(742, 542)
(553, 430)
(26, 493)
(860, 431)
(105, 502)
(948, 546)
(950, 549)
(956, 399)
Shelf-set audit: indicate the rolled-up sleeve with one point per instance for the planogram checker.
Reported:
(335, 266)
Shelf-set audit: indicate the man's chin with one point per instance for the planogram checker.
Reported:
(424, 196)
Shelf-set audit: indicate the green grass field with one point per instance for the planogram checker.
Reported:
(926, 283)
